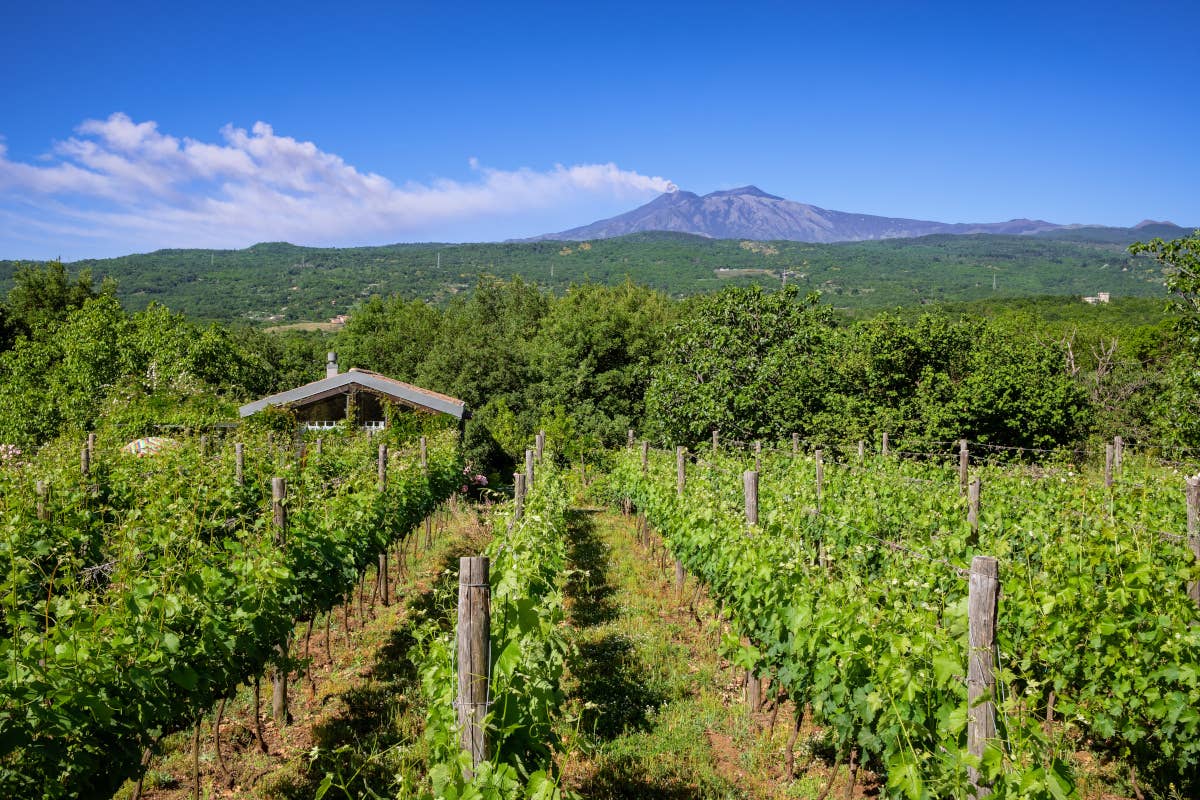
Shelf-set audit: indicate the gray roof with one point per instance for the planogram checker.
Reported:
(356, 378)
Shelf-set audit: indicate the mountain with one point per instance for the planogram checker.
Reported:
(751, 213)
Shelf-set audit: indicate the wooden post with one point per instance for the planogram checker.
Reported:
(645, 456)
(1118, 453)
(716, 443)
(320, 445)
(528, 470)
(91, 446)
(85, 461)
(982, 599)
(885, 443)
(279, 681)
(795, 445)
(964, 464)
(239, 463)
(758, 456)
(43, 492)
(381, 472)
(518, 495)
(1193, 528)
(424, 455)
(862, 449)
(819, 457)
(278, 511)
(541, 446)
(381, 467)
(629, 433)
(753, 683)
(680, 483)
(750, 489)
(474, 669)
(973, 493)
(1108, 465)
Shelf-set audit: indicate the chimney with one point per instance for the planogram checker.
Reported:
(331, 367)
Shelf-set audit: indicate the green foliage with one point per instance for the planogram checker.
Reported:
(855, 602)
(594, 354)
(741, 361)
(528, 652)
(43, 294)
(1181, 261)
(277, 282)
(389, 336)
(158, 585)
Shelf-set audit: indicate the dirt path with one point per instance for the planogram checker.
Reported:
(652, 710)
(357, 713)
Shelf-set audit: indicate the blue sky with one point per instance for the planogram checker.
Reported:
(154, 125)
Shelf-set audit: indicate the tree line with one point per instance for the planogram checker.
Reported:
(596, 360)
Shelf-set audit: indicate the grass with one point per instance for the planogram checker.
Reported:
(357, 712)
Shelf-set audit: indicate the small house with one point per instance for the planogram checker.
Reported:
(359, 395)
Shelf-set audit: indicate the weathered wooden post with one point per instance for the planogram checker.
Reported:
(85, 461)
(541, 445)
(885, 443)
(750, 490)
(680, 483)
(643, 527)
(203, 445)
(629, 434)
(239, 463)
(474, 671)
(862, 449)
(279, 681)
(964, 464)
(758, 456)
(819, 458)
(982, 598)
(320, 445)
(795, 445)
(1118, 453)
(973, 492)
(381, 472)
(1193, 528)
(528, 470)
(518, 495)
(43, 492)
(1108, 465)
(716, 443)
(753, 682)
(424, 461)
(91, 446)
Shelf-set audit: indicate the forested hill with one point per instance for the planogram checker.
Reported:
(279, 282)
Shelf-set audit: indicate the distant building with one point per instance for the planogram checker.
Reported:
(357, 392)
(1100, 297)
(340, 319)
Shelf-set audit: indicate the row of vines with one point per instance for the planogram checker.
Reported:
(850, 593)
(138, 594)
(528, 649)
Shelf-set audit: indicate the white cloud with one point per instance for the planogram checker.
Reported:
(127, 182)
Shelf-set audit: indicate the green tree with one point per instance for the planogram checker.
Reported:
(744, 361)
(594, 353)
(43, 295)
(389, 336)
(482, 356)
(1180, 259)
(1178, 399)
